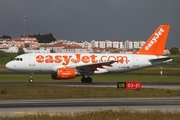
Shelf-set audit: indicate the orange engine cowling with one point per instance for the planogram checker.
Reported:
(64, 73)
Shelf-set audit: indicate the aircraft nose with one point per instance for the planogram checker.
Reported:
(9, 66)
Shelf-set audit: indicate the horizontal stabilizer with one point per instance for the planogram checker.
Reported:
(161, 60)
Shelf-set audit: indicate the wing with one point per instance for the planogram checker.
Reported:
(92, 68)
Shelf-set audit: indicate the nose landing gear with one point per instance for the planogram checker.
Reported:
(31, 79)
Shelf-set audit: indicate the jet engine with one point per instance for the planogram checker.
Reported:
(64, 73)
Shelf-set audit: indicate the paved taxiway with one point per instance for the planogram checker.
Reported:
(114, 84)
(104, 84)
(52, 106)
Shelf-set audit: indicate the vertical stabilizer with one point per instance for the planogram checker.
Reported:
(156, 43)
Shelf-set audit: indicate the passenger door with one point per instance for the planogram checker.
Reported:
(31, 60)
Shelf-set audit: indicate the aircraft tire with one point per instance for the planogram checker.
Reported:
(83, 80)
(31, 80)
(89, 80)
(86, 80)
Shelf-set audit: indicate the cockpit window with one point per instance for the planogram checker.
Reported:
(17, 59)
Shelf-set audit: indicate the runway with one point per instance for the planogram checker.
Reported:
(162, 85)
(174, 86)
(70, 106)
(59, 106)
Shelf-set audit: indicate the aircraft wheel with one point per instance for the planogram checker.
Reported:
(31, 80)
(83, 80)
(86, 80)
(89, 80)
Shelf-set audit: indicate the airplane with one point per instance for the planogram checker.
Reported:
(64, 66)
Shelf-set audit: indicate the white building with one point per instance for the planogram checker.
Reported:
(57, 47)
(10, 50)
(74, 49)
(84, 44)
(107, 44)
(134, 44)
(40, 50)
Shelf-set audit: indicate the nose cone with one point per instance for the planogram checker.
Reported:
(9, 66)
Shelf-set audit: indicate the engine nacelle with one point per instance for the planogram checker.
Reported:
(64, 73)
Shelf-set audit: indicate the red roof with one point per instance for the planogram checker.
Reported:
(98, 49)
(59, 45)
(54, 45)
(63, 45)
(73, 47)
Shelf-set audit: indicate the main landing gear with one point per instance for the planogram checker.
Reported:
(86, 79)
(31, 79)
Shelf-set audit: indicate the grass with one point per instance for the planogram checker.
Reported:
(39, 91)
(122, 114)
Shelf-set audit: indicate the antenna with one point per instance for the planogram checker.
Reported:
(24, 20)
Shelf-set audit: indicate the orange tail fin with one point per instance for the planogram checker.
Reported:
(156, 43)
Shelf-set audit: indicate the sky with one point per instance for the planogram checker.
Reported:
(91, 19)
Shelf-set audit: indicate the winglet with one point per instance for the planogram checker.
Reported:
(156, 43)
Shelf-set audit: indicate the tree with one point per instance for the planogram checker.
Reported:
(20, 51)
(44, 38)
(174, 50)
(5, 37)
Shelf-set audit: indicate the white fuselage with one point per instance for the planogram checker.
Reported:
(50, 62)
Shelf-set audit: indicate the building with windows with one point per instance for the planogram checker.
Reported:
(57, 47)
(24, 42)
(74, 49)
(133, 44)
(107, 44)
